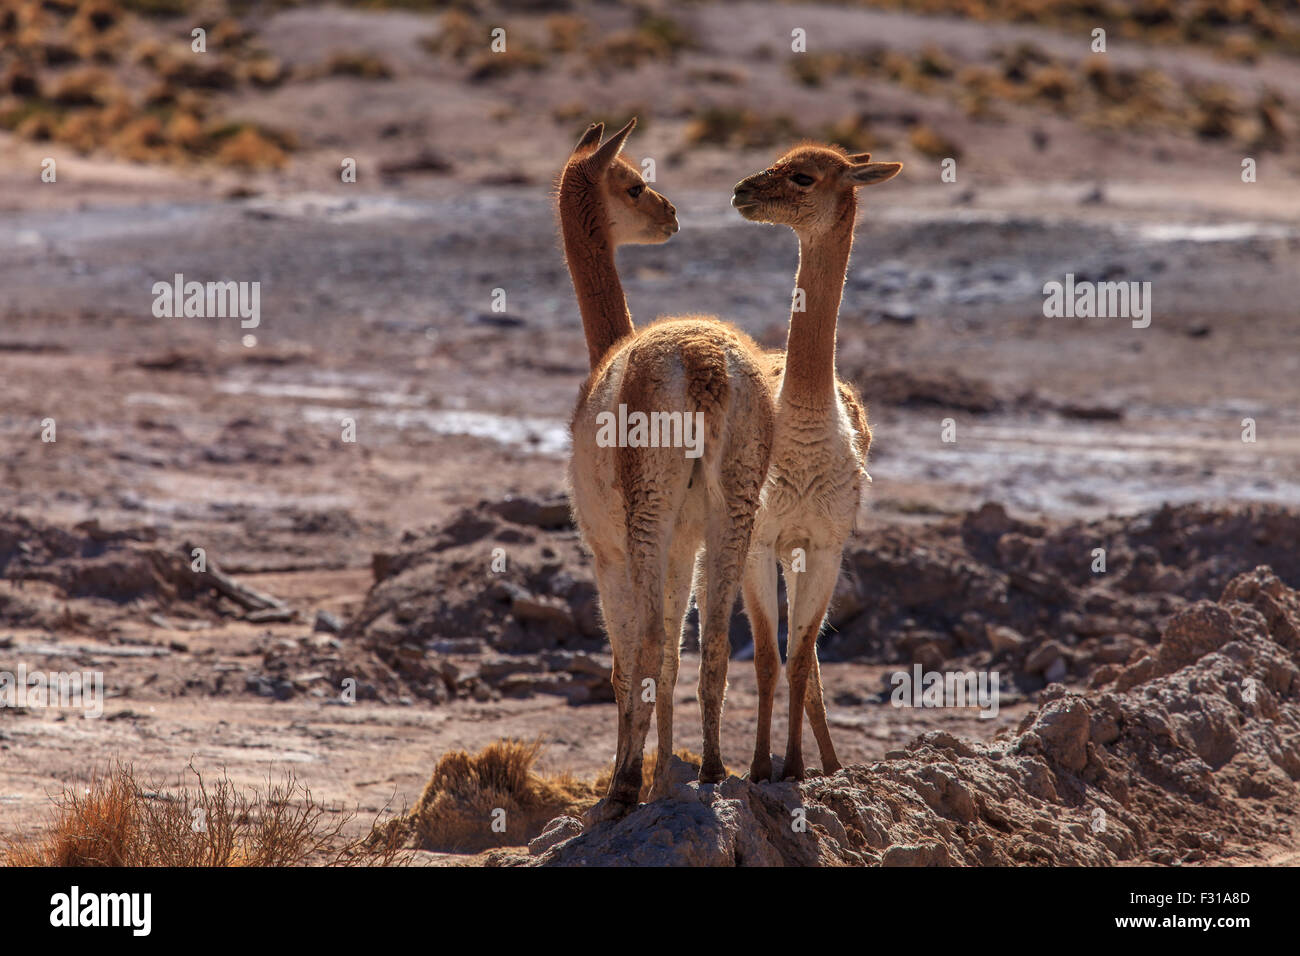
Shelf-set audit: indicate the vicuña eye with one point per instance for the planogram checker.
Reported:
(802, 180)
(635, 191)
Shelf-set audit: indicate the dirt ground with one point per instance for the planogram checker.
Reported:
(377, 307)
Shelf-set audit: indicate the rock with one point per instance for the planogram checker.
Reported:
(556, 832)
(274, 687)
(925, 854)
(327, 623)
(553, 513)
(1042, 657)
(546, 611)
(1004, 638)
(1056, 670)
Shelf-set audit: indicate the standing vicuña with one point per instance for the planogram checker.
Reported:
(646, 510)
(819, 454)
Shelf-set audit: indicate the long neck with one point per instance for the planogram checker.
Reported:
(590, 255)
(810, 347)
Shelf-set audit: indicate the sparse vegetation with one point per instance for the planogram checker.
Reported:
(928, 142)
(61, 86)
(655, 37)
(1231, 25)
(491, 66)
(1089, 89)
(738, 127)
(456, 810)
(118, 821)
(362, 65)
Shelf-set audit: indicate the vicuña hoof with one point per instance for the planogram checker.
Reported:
(832, 768)
(793, 769)
(713, 772)
(606, 810)
(760, 771)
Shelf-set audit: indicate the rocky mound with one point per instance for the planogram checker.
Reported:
(509, 581)
(987, 589)
(1191, 754)
(503, 594)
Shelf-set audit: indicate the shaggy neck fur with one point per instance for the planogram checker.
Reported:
(810, 345)
(590, 257)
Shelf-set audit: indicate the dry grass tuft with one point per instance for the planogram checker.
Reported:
(929, 142)
(359, 64)
(461, 801)
(117, 821)
(738, 128)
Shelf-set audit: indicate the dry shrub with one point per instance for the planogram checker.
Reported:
(86, 87)
(209, 72)
(80, 130)
(39, 127)
(458, 36)
(812, 69)
(264, 71)
(935, 62)
(1240, 48)
(185, 130)
(227, 33)
(455, 811)
(1052, 83)
(656, 37)
(117, 821)
(364, 66)
(929, 142)
(737, 127)
(248, 147)
(1216, 113)
(565, 32)
(20, 80)
(491, 66)
(140, 140)
(852, 132)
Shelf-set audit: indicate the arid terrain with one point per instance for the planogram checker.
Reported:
(425, 311)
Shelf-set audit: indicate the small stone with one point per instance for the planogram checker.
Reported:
(327, 623)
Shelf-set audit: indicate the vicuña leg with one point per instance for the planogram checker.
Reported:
(677, 593)
(761, 608)
(725, 549)
(639, 701)
(816, 708)
(611, 583)
(809, 593)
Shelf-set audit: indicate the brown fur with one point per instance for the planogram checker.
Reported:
(821, 444)
(654, 519)
(597, 214)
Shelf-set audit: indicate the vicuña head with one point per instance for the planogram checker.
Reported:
(598, 180)
(810, 189)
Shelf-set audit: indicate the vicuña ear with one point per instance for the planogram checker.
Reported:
(590, 139)
(858, 158)
(612, 146)
(868, 174)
